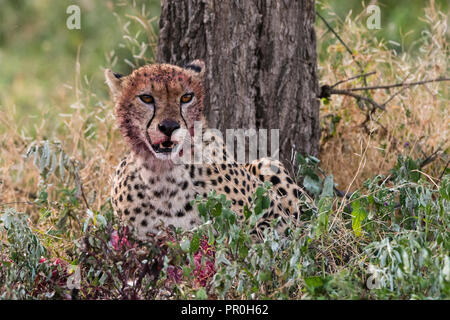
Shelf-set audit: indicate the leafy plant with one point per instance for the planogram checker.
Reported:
(24, 272)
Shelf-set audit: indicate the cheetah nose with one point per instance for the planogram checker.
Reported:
(168, 126)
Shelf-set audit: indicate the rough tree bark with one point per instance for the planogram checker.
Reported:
(261, 63)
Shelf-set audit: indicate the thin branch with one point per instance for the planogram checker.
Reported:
(402, 84)
(326, 91)
(394, 95)
(443, 171)
(430, 158)
(18, 202)
(79, 184)
(342, 194)
(354, 95)
(350, 51)
(340, 39)
(354, 77)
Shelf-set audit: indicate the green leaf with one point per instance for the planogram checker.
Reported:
(247, 212)
(258, 206)
(201, 294)
(313, 283)
(201, 207)
(264, 275)
(313, 159)
(187, 271)
(259, 192)
(185, 245)
(445, 188)
(324, 211)
(103, 278)
(221, 258)
(217, 211)
(325, 204)
(100, 220)
(243, 249)
(312, 185)
(358, 216)
(328, 185)
(411, 166)
(195, 243)
(266, 202)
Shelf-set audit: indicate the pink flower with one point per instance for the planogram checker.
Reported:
(115, 240)
(57, 262)
(204, 272)
(6, 260)
(56, 275)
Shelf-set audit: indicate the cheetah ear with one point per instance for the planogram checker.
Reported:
(114, 81)
(197, 66)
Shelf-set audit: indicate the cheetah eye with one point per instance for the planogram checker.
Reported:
(186, 97)
(146, 98)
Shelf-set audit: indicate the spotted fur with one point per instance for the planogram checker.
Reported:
(148, 187)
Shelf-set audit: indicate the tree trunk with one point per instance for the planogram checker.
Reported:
(260, 57)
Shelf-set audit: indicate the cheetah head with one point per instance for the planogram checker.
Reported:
(156, 107)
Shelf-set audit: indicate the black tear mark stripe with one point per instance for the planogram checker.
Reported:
(182, 117)
(148, 126)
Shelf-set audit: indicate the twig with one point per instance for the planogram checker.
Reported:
(340, 40)
(342, 194)
(79, 184)
(18, 202)
(144, 270)
(443, 171)
(430, 158)
(326, 90)
(354, 77)
(356, 96)
(361, 68)
(394, 95)
(401, 84)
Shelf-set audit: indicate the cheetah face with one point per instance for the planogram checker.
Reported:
(157, 105)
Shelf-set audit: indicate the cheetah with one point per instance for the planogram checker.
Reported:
(153, 105)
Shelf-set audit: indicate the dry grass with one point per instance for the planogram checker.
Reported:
(417, 117)
(85, 128)
(415, 122)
